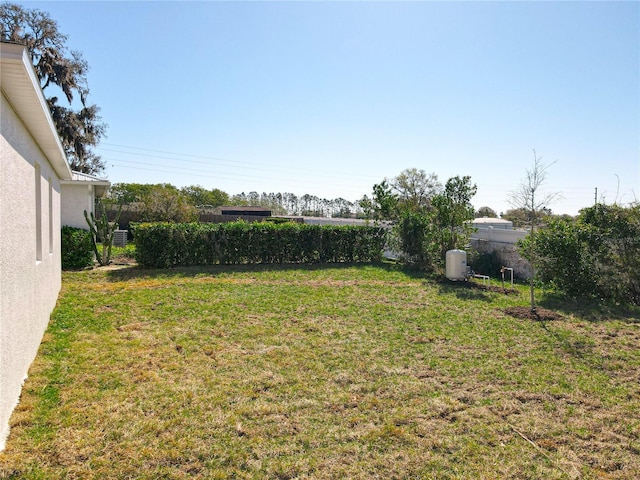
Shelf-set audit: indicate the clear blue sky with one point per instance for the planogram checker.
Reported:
(328, 98)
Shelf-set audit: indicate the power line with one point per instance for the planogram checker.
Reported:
(125, 163)
(172, 158)
(172, 153)
(200, 175)
(227, 162)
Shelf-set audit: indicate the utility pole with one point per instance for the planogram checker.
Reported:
(595, 200)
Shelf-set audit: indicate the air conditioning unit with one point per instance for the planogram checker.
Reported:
(120, 238)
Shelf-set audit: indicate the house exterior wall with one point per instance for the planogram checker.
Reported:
(30, 259)
(76, 198)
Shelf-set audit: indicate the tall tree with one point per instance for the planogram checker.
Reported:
(80, 129)
(384, 203)
(415, 188)
(129, 192)
(200, 196)
(529, 197)
(427, 220)
(453, 210)
(165, 203)
(486, 212)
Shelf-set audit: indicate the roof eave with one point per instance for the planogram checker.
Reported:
(20, 85)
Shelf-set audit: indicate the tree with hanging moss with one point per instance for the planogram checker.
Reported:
(78, 123)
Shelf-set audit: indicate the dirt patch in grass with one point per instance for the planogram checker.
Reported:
(493, 288)
(121, 260)
(539, 314)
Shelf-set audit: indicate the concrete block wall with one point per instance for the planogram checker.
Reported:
(507, 253)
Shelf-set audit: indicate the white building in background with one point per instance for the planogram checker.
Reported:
(486, 222)
(496, 230)
(80, 194)
(32, 166)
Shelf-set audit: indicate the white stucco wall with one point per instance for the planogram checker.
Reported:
(497, 223)
(76, 198)
(500, 235)
(29, 280)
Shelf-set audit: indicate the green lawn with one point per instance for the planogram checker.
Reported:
(323, 372)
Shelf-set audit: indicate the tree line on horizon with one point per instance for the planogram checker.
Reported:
(168, 202)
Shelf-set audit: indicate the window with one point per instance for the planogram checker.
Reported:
(38, 214)
(50, 217)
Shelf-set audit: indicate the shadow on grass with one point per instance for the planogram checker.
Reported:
(463, 290)
(574, 346)
(591, 309)
(135, 272)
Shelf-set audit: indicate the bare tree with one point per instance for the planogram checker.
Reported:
(529, 197)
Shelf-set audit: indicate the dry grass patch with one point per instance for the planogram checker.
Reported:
(354, 372)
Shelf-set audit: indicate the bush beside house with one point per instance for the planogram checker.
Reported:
(77, 248)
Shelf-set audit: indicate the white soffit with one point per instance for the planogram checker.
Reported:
(78, 178)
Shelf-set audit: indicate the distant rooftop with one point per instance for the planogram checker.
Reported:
(248, 210)
(491, 220)
(85, 177)
(99, 185)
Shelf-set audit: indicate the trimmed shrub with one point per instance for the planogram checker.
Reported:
(163, 245)
(595, 255)
(77, 248)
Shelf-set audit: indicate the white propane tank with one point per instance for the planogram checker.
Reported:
(456, 265)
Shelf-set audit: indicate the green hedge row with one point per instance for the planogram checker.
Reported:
(163, 245)
(77, 248)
